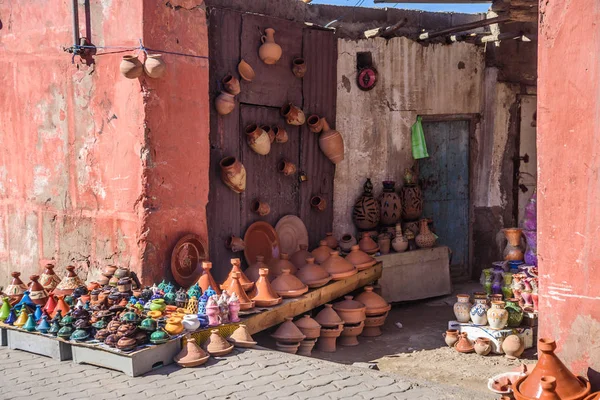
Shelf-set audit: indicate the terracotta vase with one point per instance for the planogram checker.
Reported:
(568, 386)
(37, 293)
(293, 115)
(425, 239)
(154, 66)
(69, 283)
(331, 241)
(497, 315)
(310, 328)
(313, 275)
(374, 303)
(236, 287)
(412, 202)
(131, 67)
(270, 52)
(287, 285)
(328, 338)
(281, 135)
(286, 168)
(258, 139)
(384, 243)
(513, 250)
(265, 296)
(482, 346)
(15, 290)
(331, 143)
(246, 283)
(231, 84)
(206, 280)
(347, 242)
(252, 272)
(260, 207)
(277, 266)
(464, 345)
(451, 337)
(191, 355)
(233, 174)
(300, 256)
(299, 67)
(225, 103)
(49, 280)
(391, 205)
(462, 308)
(479, 310)
(360, 259)
(321, 253)
(400, 242)
(513, 346)
(288, 332)
(318, 203)
(351, 311)
(241, 337)
(235, 244)
(216, 345)
(366, 211)
(338, 267)
(315, 123)
(367, 244)
(246, 72)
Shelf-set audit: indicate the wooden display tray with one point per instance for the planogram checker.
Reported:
(35, 342)
(133, 363)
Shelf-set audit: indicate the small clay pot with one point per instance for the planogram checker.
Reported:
(351, 311)
(258, 139)
(318, 203)
(235, 244)
(482, 346)
(315, 123)
(309, 327)
(290, 348)
(231, 84)
(246, 71)
(233, 174)
(373, 325)
(306, 347)
(384, 242)
(321, 253)
(299, 67)
(225, 103)
(451, 337)
(260, 208)
(346, 242)
(286, 168)
(367, 244)
(154, 66)
(131, 67)
(293, 115)
(281, 135)
(350, 333)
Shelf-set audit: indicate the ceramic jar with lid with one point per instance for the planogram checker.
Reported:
(367, 244)
(360, 259)
(216, 345)
(241, 337)
(328, 318)
(49, 280)
(288, 285)
(236, 287)
(252, 272)
(374, 303)
(191, 355)
(309, 327)
(16, 288)
(351, 311)
(321, 253)
(313, 275)
(331, 241)
(265, 295)
(464, 344)
(338, 267)
(69, 283)
(288, 332)
(37, 293)
(300, 256)
(276, 266)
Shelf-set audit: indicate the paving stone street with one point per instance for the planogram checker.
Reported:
(251, 374)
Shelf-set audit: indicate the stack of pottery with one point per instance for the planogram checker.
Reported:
(277, 265)
(376, 311)
(366, 211)
(287, 285)
(331, 328)
(360, 259)
(321, 253)
(338, 267)
(107, 274)
(462, 308)
(288, 337)
(300, 256)
(313, 275)
(311, 330)
(352, 312)
(191, 355)
(216, 345)
(245, 281)
(265, 295)
(225, 101)
(241, 337)
(367, 244)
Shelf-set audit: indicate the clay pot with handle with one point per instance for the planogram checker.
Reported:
(270, 52)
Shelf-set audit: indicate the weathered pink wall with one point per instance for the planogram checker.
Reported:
(95, 168)
(568, 144)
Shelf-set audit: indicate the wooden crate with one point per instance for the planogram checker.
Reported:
(37, 343)
(133, 363)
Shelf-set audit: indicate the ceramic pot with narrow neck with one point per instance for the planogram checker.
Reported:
(231, 84)
(258, 139)
(425, 239)
(513, 250)
(451, 337)
(412, 201)
(391, 205)
(233, 174)
(366, 211)
(225, 103)
(331, 143)
(400, 242)
(293, 115)
(270, 52)
(154, 66)
(462, 308)
(131, 67)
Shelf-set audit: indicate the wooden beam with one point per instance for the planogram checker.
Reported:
(314, 298)
(463, 27)
(385, 31)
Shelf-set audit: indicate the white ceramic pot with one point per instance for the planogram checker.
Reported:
(462, 308)
(191, 322)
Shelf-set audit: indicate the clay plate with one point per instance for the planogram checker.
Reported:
(292, 233)
(261, 240)
(186, 259)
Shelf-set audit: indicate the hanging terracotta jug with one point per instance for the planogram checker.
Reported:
(15, 290)
(246, 71)
(154, 66)
(69, 283)
(513, 250)
(258, 140)
(277, 266)
(411, 197)
(265, 296)
(231, 84)
(269, 52)
(425, 239)
(318, 203)
(391, 205)
(286, 168)
(315, 123)
(225, 103)
(293, 115)
(246, 283)
(300, 256)
(131, 67)
(235, 244)
(49, 280)
(206, 280)
(281, 135)
(331, 143)
(233, 174)
(322, 252)
(366, 211)
(299, 67)
(37, 293)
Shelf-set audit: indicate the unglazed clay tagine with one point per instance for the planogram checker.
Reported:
(265, 296)
(351, 311)
(309, 327)
(313, 275)
(338, 267)
(191, 355)
(206, 279)
(288, 332)
(360, 259)
(241, 337)
(321, 253)
(278, 265)
(367, 244)
(253, 271)
(374, 303)
(328, 318)
(287, 285)
(247, 284)
(236, 287)
(216, 345)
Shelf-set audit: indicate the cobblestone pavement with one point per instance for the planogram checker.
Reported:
(251, 374)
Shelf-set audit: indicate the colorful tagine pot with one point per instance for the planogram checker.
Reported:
(37, 293)
(16, 288)
(68, 284)
(49, 280)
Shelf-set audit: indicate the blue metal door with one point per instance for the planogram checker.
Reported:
(444, 178)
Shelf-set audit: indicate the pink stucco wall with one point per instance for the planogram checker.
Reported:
(568, 143)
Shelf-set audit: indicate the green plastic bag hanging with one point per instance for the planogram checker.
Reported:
(419, 147)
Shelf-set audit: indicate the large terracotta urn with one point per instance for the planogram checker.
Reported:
(331, 143)
(366, 212)
(412, 198)
(270, 52)
(233, 174)
(391, 205)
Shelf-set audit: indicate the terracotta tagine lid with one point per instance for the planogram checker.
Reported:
(206, 279)
(328, 318)
(191, 355)
(236, 287)
(287, 285)
(367, 244)
(69, 283)
(359, 258)
(252, 272)
(593, 396)
(464, 345)
(330, 241)
(288, 333)
(241, 337)
(322, 252)
(309, 327)
(338, 267)
(277, 266)
(568, 386)
(375, 303)
(16, 288)
(247, 284)
(216, 345)
(548, 384)
(351, 311)
(299, 257)
(312, 274)
(49, 280)
(265, 296)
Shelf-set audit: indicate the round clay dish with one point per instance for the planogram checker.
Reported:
(292, 233)
(186, 259)
(261, 240)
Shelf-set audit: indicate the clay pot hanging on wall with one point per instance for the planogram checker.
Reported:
(261, 208)
(287, 168)
(412, 198)
(318, 203)
(235, 244)
(270, 132)
(154, 66)
(246, 71)
(258, 139)
(293, 115)
(366, 212)
(233, 174)
(331, 143)
(131, 67)
(270, 52)
(281, 135)
(231, 84)
(315, 123)
(299, 67)
(391, 205)
(225, 103)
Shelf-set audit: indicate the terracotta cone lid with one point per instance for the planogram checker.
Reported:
(367, 244)
(247, 284)
(288, 333)
(69, 283)
(568, 386)
(265, 295)
(216, 345)
(277, 266)
(287, 285)
(299, 257)
(328, 318)
(330, 240)
(351, 311)
(252, 272)
(309, 327)
(191, 355)
(322, 252)
(236, 287)
(359, 258)
(312, 274)
(241, 337)
(49, 279)
(338, 267)
(206, 279)
(375, 303)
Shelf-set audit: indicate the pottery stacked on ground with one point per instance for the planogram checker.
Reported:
(288, 337)
(331, 328)
(376, 311)
(353, 313)
(311, 329)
